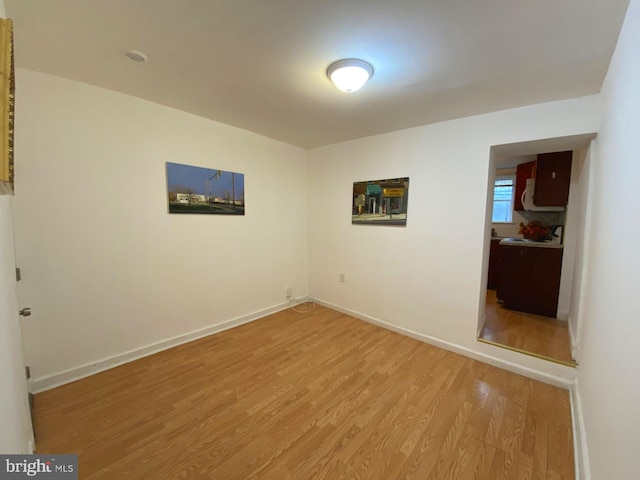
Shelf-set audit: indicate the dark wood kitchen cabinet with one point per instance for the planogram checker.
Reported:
(493, 277)
(524, 171)
(530, 279)
(552, 172)
(553, 176)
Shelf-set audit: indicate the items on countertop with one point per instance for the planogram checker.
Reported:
(537, 235)
(523, 242)
(534, 231)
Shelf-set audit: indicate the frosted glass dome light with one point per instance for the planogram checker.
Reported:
(349, 74)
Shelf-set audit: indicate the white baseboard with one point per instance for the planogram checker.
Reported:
(562, 315)
(67, 376)
(541, 376)
(581, 452)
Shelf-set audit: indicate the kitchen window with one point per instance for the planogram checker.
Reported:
(503, 193)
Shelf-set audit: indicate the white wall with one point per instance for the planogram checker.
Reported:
(106, 269)
(576, 239)
(573, 231)
(609, 375)
(428, 277)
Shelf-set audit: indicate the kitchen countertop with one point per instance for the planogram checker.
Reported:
(521, 242)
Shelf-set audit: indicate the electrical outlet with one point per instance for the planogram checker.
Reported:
(288, 291)
(342, 278)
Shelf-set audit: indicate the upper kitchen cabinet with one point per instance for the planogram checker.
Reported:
(524, 172)
(543, 185)
(553, 175)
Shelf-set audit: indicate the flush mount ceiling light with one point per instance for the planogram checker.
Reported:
(349, 74)
(136, 56)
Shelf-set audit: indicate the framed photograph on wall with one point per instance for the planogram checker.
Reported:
(7, 92)
(380, 202)
(204, 190)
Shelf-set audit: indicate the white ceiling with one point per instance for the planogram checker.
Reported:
(260, 64)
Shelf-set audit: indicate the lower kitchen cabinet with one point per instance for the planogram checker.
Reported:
(493, 277)
(530, 279)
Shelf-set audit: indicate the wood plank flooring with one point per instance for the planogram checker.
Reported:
(541, 336)
(297, 396)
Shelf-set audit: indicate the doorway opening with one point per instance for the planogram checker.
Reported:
(532, 287)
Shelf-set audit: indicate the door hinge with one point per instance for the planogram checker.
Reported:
(27, 370)
(18, 274)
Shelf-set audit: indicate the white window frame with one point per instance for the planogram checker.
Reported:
(511, 202)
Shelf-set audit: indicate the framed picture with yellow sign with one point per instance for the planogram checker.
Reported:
(380, 202)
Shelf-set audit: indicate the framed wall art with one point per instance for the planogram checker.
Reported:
(204, 190)
(380, 202)
(7, 91)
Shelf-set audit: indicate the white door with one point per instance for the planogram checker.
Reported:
(16, 434)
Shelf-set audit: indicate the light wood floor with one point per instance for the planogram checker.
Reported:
(301, 396)
(541, 336)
